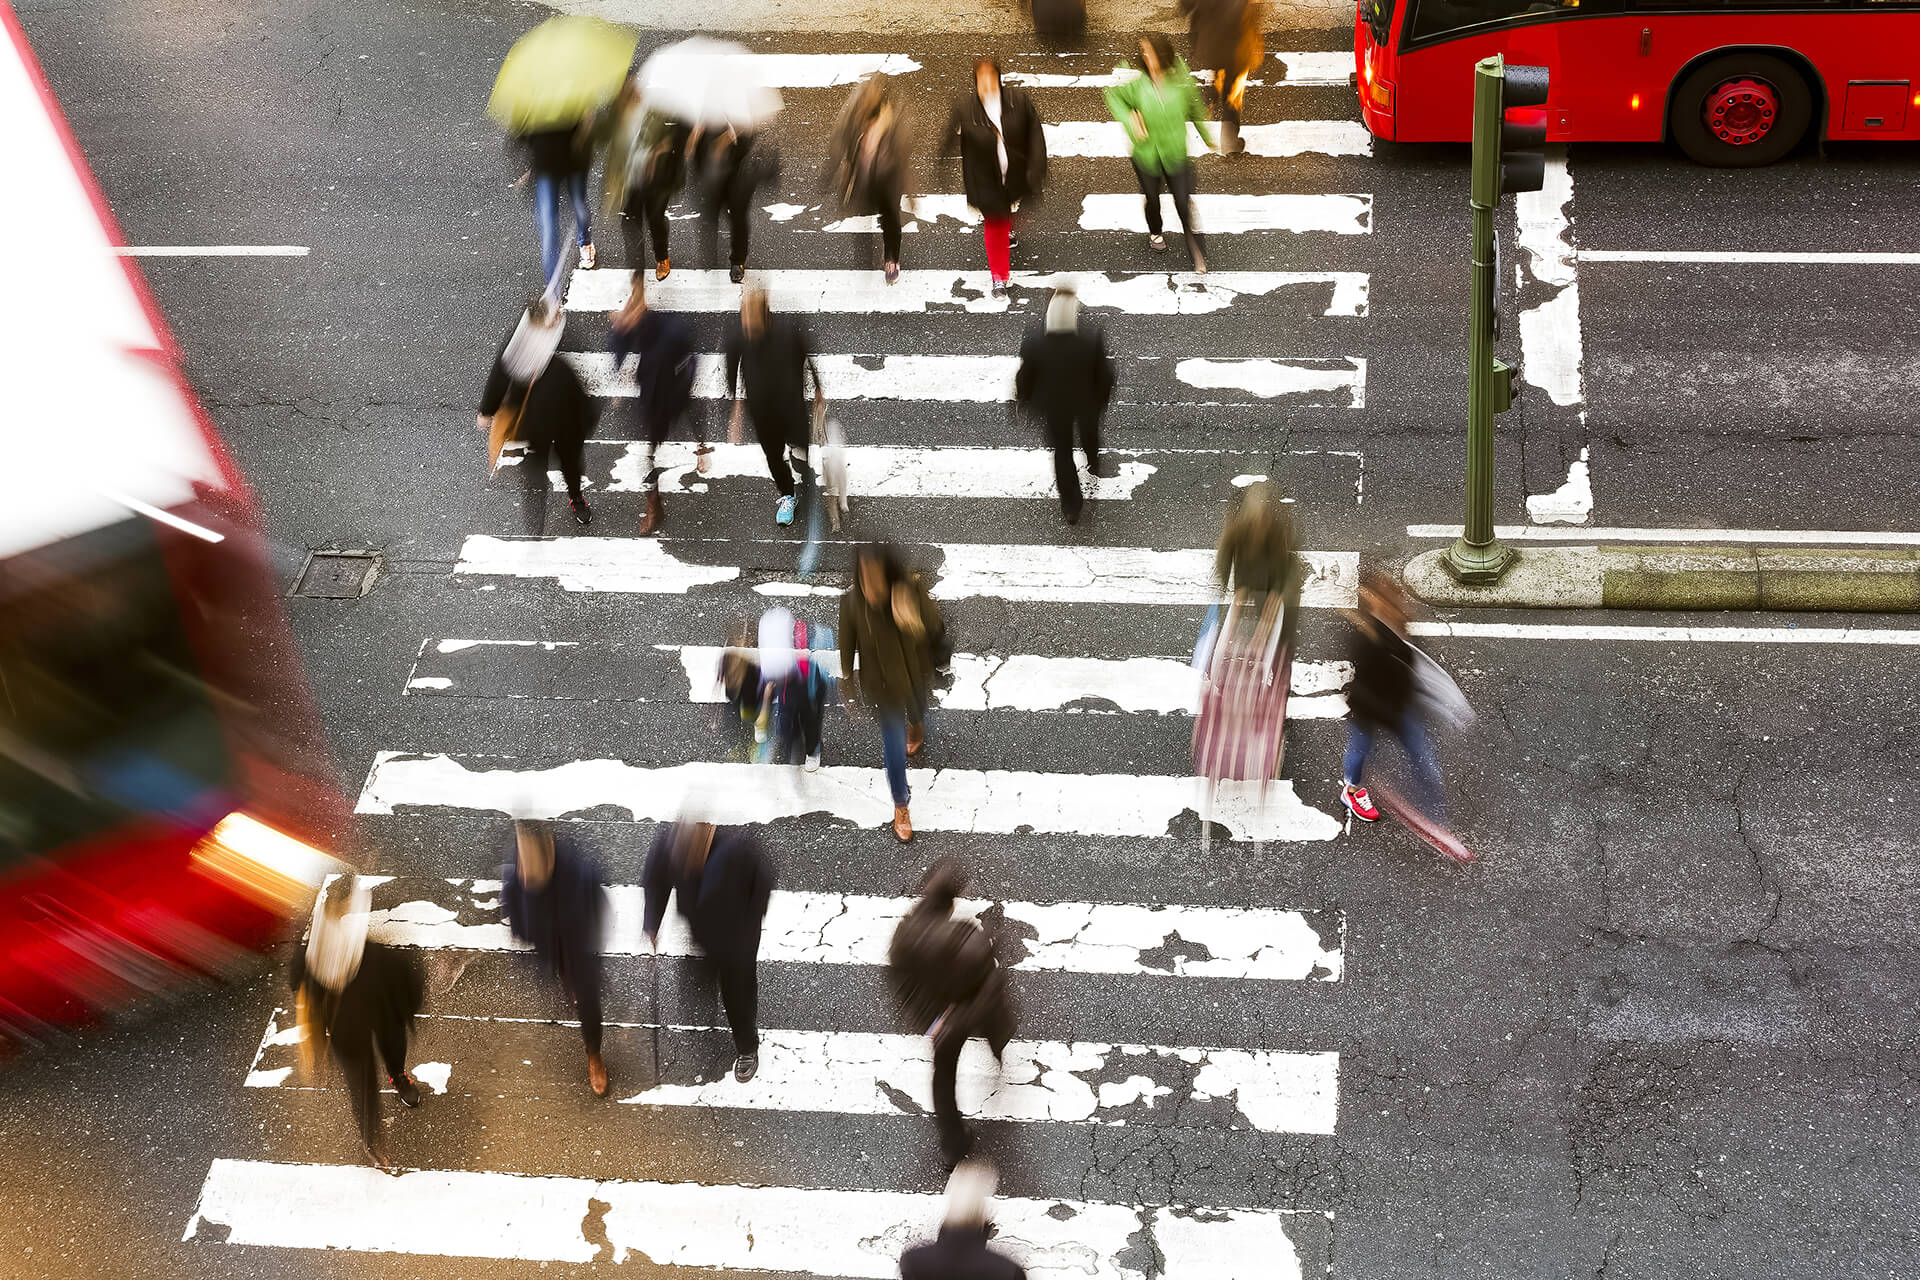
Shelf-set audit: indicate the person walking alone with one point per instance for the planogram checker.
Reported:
(664, 373)
(721, 882)
(961, 1251)
(730, 166)
(869, 166)
(646, 167)
(1003, 160)
(1155, 108)
(1067, 377)
(890, 628)
(552, 412)
(769, 359)
(1226, 38)
(952, 988)
(1382, 699)
(555, 901)
(361, 998)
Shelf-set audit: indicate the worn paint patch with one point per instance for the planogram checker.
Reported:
(1269, 379)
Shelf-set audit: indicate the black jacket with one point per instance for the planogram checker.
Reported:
(384, 997)
(558, 153)
(958, 1253)
(558, 410)
(1064, 376)
(664, 344)
(1215, 28)
(969, 129)
(937, 962)
(724, 904)
(1382, 676)
(563, 919)
(772, 370)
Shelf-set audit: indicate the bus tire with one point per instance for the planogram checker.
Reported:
(1740, 110)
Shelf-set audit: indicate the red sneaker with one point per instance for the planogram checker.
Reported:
(1359, 804)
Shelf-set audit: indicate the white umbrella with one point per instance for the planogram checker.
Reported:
(713, 84)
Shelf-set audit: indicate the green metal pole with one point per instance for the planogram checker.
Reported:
(1477, 556)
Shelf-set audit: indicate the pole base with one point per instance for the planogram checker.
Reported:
(1479, 566)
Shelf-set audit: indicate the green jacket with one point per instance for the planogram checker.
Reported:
(895, 672)
(1166, 108)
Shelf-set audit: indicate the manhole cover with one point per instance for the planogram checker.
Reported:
(338, 575)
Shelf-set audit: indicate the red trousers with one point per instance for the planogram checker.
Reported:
(999, 252)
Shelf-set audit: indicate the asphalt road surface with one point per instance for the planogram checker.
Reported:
(1664, 1028)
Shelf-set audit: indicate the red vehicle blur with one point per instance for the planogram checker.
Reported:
(164, 793)
(1730, 83)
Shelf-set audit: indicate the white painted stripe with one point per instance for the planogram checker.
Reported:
(1255, 943)
(981, 802)
(1866, 258)
(1551, 353)
(812, 1231)
(1295, 70)
(1105, 138)
(640, 565)
(826, 70)
(1150, 293)
(1667, 635)
(1269, 379)
(954, 379)
(1234, 215)
(1797, 537)
(212, 251)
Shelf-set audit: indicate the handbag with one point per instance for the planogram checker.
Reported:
(505, 426)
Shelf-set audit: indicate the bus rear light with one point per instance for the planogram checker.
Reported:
(268, 866)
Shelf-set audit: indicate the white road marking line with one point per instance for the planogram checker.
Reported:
(1867, 258)
(1571, 503)
(1797, 537)
(837, 292)
(448, 1213)
(213, 251)
(1296, 70)
(1270, 379)
(1253, 943)
(1667, 635)
(827, 70)
(1347, 215)
(1056, 574)
(1106, 138)
(983, 802)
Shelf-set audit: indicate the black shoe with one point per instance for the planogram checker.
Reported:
(582, 513)
(409, 1091)
(1072, 514)
(954, 1150)
(744, 1067)
(1102, 468)
(737, 274)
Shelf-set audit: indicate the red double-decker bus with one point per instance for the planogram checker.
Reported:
(165, 798)
(1737, 82)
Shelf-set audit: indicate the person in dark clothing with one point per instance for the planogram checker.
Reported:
(1226, 39)
(721, 881)
(1067, 377)
(361, 998)
(559, 158)
(1382, 698)
(891, 628)
(646, 167)
(555, 901)
(664, 343)
(769, 360)
(1003, 160)
(730, 166)
(554, 412)
(960, 1251)
(952, 989)
(869, 165)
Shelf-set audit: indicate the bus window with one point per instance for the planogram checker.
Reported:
(1432, 19)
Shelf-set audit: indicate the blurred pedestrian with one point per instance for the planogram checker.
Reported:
(558, 159)
(550, 409)
(891, 630)
(769, 359)
(361, 998)
(1003, 160)
(1155, 108)
(664, 374)
(1382, 699)
(1227, 39)
(796, 688)
(1257, 554)
(1066, 376)
(869, 161)
(943, 969)
(961, 1251)
(721, 881)
(731, 165)
(554, 899)
(646, 167)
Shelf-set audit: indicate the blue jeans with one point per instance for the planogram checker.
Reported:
(1428, 792)
(893, 750)
(546, 218)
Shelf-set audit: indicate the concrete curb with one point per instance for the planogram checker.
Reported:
(1686, 577)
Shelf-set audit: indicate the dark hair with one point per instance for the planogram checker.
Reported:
(1162, 52)
(945, 880)
(992, 64)
(892, 564)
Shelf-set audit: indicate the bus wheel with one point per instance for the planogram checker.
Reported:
(1741, 109)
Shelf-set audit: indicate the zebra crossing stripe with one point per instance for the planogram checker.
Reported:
(973, 801)
(1020, 572)
(1296, 70)
(844, 292)
(1350, 215)
(1285, 138)
(805, 1230)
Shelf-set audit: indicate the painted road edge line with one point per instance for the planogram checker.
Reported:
(1662, 635)
(1571, 533)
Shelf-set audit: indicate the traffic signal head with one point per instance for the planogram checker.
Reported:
(1523, 129)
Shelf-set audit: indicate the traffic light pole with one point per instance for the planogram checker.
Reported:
(1477, 556)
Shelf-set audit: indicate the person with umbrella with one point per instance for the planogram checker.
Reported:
(869, 166)
(1066, 374)
(1003, 160)
(1155, 108)
(646, 167)
(769, 359)
(554, 899)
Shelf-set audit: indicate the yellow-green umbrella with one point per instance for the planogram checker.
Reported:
(559, 72)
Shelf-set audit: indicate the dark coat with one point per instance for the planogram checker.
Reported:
(563, 919)
(384, 997)
(558, 410)
(1214, 30)
(724, 904)
(958, 1253)
(895, 672)
(937, 962)
(969, 129)
(1064, 376)
(664, 344)
(729, 172)
(558, 153)
(1382, 686)
(772, 370)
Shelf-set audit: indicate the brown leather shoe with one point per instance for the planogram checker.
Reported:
(661, 268)
(902, 824)
(915, 737)
(597, 1075)
(655, 514)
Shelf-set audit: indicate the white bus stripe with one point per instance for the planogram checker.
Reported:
(812, 1231)
(1038, 573)
(1797, 537)
(1347, 215)
(842, 292)
(981, 802)
(1666, 635)
(1252, 943)
(1106, 138)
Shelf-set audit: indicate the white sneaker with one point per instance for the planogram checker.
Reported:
(813, 763)
(783, 514)
(587, 256)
